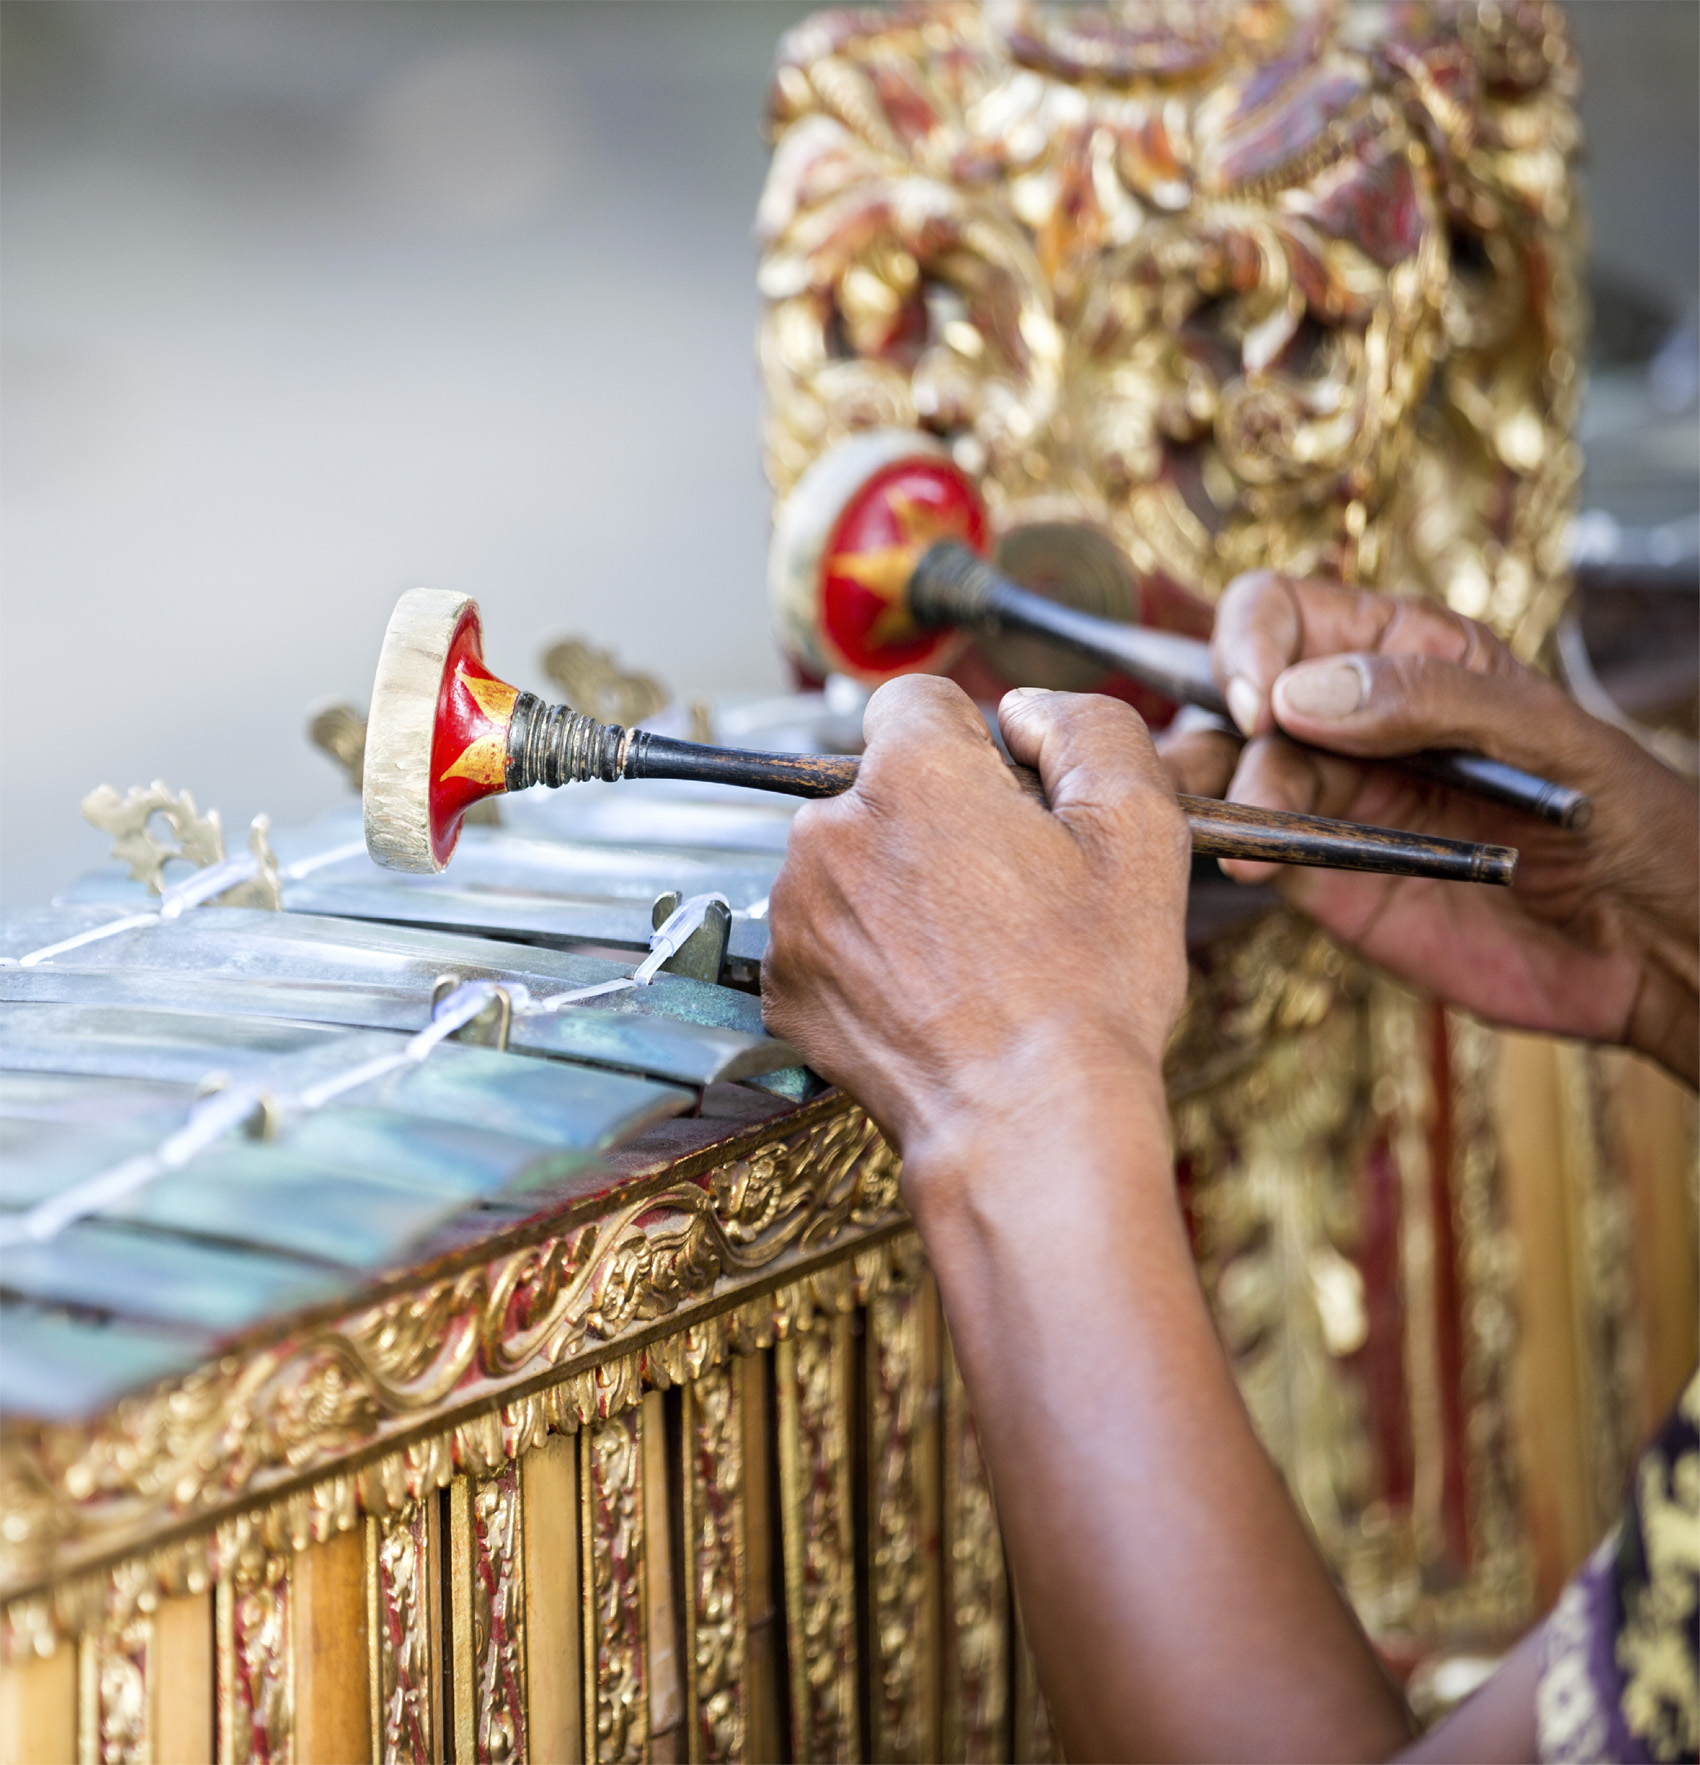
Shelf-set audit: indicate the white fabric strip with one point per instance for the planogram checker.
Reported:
(204, 884)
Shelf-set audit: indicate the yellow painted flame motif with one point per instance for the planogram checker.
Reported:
(485, 761)
(885, 570)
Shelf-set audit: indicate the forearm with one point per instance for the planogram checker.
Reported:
(1173, 1599)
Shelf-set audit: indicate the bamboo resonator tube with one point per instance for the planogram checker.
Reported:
(444, 732)
(877, 562)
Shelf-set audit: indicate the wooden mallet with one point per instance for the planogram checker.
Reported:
(878, 567)
(444, 733)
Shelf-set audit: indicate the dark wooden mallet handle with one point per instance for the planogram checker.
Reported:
(953, 586)
(1219, 830)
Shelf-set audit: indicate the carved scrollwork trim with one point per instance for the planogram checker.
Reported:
(229, 1432)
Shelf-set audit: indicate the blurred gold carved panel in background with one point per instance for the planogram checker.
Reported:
(1240, 283)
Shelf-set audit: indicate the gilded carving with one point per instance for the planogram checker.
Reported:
(399, 1565)
(231, 1429)
(114, 1693)
(1487, 1258)
(1332, 1245)
(811, 1371)
(498, 1618)
(254, 1661)
(199, 840)
(1272, 1156)
(1237, 284)
(902, 1522)
(616, 1680)
(714, 1555)
(976, 1679)
(1612, 1338)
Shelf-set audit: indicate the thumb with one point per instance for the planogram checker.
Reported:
(1374, 705)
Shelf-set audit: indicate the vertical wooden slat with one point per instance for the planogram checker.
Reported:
(666, 1671)
(332, 1718)
(611, 1468)
(458, 1543)
(183, 1681)
(762, 1726)
(976, 1619)
(716, 1609)
(403, 1624)
(902, 1520)
(1554, 1462)
(38, 1708)
(1653, 1137)
(555, 1703)
(812, 1370)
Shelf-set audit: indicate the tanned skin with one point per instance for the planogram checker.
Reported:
(997, 984)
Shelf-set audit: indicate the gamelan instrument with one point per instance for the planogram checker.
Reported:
(387, 1276)
(878, 561)
(444, 733)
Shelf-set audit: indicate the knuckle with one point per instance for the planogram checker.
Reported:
(1250, 588)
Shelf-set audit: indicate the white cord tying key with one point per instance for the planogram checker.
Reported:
(668, 938)
(202, 886)
(181, 896)
(213, 1117)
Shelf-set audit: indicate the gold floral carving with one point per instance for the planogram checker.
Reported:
(976, 1675)
(115, 1693)
(495, 1566)
(812, 1373)
(254, 1420)
(592, 680)
(1272, 1156)
(400, 1563)
(254, 1661)
(715, 1618)
(1237, 283)
(615, 1654)
(902, 1518)
(1276, 1155)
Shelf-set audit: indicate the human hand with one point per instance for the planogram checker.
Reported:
(1599, 937)
(949, 951)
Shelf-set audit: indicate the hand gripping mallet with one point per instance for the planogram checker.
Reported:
(876, 569)
(444, 733)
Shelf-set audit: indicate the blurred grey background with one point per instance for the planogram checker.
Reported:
(304, 304)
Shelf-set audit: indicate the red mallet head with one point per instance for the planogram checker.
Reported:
(846, 543)
(437, 733)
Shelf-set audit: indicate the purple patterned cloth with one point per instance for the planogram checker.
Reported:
(1619, 1674)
